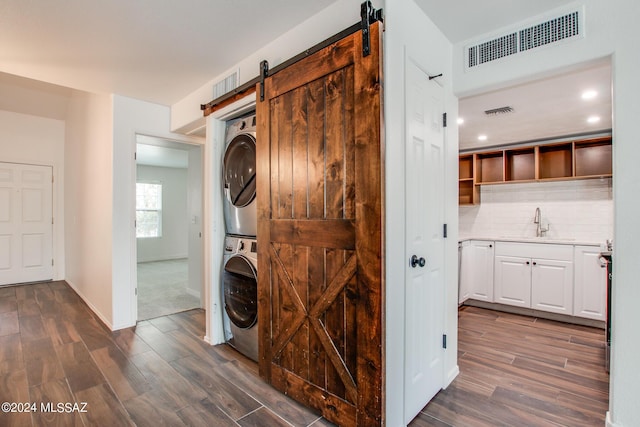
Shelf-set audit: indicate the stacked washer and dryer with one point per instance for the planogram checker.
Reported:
(239, 274)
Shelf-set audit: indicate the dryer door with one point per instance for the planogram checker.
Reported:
(239, 169)
(240, 291)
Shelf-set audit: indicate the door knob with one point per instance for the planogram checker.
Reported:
(415, 261)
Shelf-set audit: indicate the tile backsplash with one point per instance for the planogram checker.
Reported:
(576, 209)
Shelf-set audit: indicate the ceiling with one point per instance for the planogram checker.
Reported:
(152, 151)
(161, 51)
(154, 50)
(542, 109)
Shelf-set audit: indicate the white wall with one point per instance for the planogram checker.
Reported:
(403, 19)
(87, 200)
(39, 141)
(130, 117)
(610, 30)
(186, 114)
(173, 244)
(580, 210)
(194, 203)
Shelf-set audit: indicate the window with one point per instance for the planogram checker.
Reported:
(148, 209)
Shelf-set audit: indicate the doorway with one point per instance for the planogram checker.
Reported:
(569, 112)
(168, 227)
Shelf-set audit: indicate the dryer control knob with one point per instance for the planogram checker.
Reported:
(241, 246)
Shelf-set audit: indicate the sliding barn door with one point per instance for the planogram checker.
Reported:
(319, 232)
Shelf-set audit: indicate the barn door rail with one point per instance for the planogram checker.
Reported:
(368, 16)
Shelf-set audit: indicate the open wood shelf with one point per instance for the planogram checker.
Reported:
(580, 159)
(520, 165)
(555, 161)
(593, 158)
(490, 167)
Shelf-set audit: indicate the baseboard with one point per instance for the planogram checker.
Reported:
(163, 258)
(609, 422)
(535, 313)
(93, 308)
(453, 373)
(193, 293)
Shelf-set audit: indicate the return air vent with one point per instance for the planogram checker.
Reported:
(549, 32)
(497, 111)
(493, 49)
(535, 34)
(225, 85)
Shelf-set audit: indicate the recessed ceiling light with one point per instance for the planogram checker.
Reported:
(589, 94)
(593, 119)
(482, 137)
(460, 120)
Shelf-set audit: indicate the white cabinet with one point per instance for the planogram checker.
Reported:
(538, 276)
(590, 288)
(552, 285)
(513, 281)
(476, 271)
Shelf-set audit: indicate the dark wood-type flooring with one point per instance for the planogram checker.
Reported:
(522, 371)
(515, 371)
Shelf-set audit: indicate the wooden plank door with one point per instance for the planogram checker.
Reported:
(319, 189)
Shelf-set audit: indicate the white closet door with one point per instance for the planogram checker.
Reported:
(25, 223)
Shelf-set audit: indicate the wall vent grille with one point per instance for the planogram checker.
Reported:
(225, 85)
(550, 31)
(493, 49)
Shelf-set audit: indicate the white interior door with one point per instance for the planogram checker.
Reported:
(424, 315)
(25, 223)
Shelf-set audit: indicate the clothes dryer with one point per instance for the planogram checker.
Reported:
(240, 295)
(239, 177)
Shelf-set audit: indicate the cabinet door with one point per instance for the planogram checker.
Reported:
(512, 281)
(590, 284)
(552, 286)
(481, 271)
(466, 272)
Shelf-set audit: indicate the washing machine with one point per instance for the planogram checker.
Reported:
(240, 295)
(239, 177)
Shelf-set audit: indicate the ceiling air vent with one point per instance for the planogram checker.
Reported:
(501, 110)
(225, 85)
(538, 32)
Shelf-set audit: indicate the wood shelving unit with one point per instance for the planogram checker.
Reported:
(581, 159)
(468, 192)
(520, 164)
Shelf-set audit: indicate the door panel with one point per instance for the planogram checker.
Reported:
(25, 223)
(319, 232)
(552, 286)
(424, 317)
(513, 281)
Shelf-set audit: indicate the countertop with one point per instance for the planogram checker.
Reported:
(549, 240)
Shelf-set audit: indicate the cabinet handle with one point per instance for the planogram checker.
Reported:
(535, 263)
(528, 263)
(490, 246)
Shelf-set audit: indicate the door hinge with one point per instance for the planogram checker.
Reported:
(136, 291)
(444, 340)
(52, 222)
(264, 73)
(51, 262)
(368, 15)
(135, 156)
(444, 120)
(444, 230)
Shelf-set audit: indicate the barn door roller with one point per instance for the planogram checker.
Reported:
(368, 15)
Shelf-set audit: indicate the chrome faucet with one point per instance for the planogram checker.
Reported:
(537, 219)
